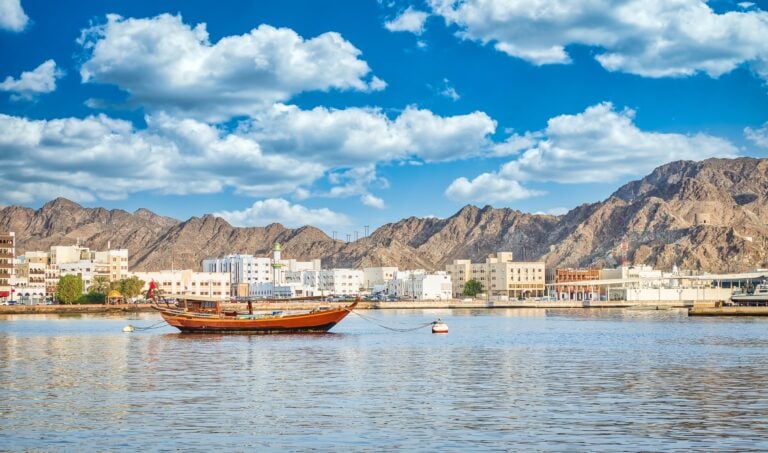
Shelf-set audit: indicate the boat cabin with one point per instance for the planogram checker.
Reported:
(202, 306)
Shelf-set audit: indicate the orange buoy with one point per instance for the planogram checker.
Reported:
(439, 327)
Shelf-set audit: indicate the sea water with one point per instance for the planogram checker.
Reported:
(500, 380)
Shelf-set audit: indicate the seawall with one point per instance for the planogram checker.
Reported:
(366, 305)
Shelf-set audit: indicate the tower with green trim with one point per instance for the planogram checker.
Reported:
(276, 264)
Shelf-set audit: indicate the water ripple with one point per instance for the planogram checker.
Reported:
(560, 380)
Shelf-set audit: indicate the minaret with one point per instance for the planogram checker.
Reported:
(276, 265)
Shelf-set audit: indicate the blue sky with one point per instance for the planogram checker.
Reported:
(342, 114)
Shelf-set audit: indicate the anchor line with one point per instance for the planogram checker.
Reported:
(394, 329)
(156, 325)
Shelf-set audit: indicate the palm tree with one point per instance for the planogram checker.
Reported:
(100, 284)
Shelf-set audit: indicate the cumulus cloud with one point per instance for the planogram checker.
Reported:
(168, 65)
(758, 136)
(359, 136)
(99, 157)
(12, 16)
(372, 201)
(283, 151)
(410, 20)
(654, 38)
(278, 210)
(597, 145)
(32, 83)
(488, 188)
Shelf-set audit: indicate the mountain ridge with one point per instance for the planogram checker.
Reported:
(710, 215)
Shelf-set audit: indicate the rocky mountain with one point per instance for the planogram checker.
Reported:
(709, 215)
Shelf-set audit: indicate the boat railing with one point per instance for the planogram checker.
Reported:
(181, 311)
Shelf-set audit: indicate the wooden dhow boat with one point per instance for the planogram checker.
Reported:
(205, 315)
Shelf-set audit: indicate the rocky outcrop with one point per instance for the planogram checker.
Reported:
(709, 215)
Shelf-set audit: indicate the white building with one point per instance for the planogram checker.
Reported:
(187, 282)
(247, 270)
(377, 276)
(419, 285)
(87, 270)
(285, 291)
(61, 254)
(340, 282)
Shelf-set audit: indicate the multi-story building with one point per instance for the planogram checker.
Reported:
(51, 271)
(187, 282)
(7, 268)
(460, 272)
(374, 277)
(246, 270)
(340, 281)
(61, 254)
(112, 264)
(500, 276)
(419, 285)
(30, 282)
(576, 291)
(87, 270)
(116, 260)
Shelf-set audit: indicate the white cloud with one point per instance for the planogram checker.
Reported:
(282, 152)
(558, 211)
(99, 157)
(603, 145)
(449, 91)
(356, 136)
(488, 188)
(31, 83)
(278, 210)
(410, 20)
(372, 201)
(651, 38)
(168, 65)
(758, 136)
(12, 16)
(597, 145)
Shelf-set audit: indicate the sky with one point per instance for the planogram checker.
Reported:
(349, 114)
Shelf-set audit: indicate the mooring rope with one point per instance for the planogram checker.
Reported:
(373, 320)
(156, 325)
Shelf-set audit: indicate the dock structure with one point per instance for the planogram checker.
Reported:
(728, 310)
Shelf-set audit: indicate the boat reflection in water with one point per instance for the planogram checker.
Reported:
(199, 314)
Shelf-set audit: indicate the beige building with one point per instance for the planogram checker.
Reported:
(111, 264)
(30, 282)
(116, 260)
(7, 269)
(377, 276)
(500, 276)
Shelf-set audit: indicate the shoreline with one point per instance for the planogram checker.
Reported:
(370, 305)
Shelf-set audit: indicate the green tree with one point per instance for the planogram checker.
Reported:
(472, 288)
(100, 284)
(92, 298)
(70, 289)
(131, 287)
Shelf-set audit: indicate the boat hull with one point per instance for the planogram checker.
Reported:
(317, 322)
